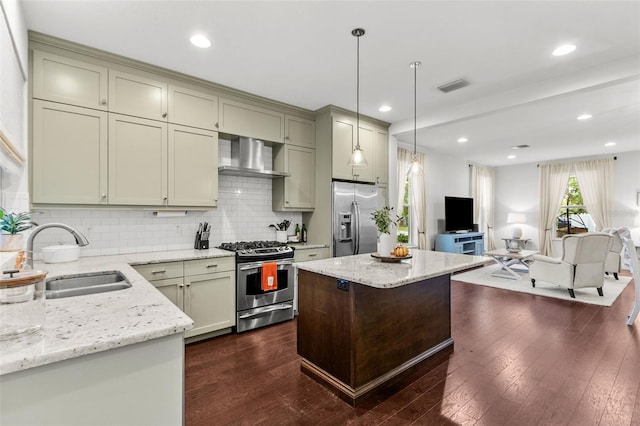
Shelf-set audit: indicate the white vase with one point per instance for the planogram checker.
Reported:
(11, 242)
(386, 243)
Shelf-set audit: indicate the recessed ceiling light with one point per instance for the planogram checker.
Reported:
(511, 157)
(584, 116)
(610, 143)
(564, 49)
(384, 108)
(199, 40)
(463, 140)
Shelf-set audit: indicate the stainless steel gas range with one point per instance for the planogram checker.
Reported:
(256, 307)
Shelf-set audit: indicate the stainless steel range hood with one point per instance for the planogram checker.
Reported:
(247, 160)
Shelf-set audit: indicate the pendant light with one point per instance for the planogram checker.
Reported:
(415, 168)
(357, 156)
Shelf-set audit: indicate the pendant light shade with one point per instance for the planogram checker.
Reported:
(357, 156)
(415, 168)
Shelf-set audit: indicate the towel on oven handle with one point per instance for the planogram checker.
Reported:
(269, 276)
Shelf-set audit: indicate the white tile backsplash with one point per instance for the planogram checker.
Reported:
(243, 213)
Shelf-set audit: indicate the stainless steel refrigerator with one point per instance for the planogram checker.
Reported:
(354, 231)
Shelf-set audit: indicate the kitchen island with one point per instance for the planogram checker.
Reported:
(364, 325)
(106, 358)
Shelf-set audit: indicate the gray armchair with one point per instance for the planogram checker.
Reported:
(581, 265)
(614, 261)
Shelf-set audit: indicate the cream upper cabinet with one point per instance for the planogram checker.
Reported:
(242, 119)
(192, 108)
(295, 192)
(69, 154)
(137, 161)
(193, 167)
(210, 300)
(137, 95)
(299, 131)
(59, 79)
(381, 156)
(344, 142)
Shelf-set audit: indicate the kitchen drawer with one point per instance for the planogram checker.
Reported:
(160, 271)
(300, 255)
(207, 266)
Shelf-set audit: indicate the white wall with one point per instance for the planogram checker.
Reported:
(517, 191)
(444, 175)
(243, 213)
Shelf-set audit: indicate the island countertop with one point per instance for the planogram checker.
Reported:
(82, 325)
(366, 270)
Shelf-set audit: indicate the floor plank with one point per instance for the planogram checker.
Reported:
(517, 359)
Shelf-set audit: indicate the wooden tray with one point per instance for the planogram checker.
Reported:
(390, 258)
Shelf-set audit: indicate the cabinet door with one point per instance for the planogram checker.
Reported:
(299, 131)
(343, 145)
(300, 186)
(367, 138)
(138, 96)
(193, 167)
(381, 157)
(69, 154)
(242, 119)
(172, 289)
(210, 300)
(192, 108)
(137, 161)
(60, 79)
(302, 255)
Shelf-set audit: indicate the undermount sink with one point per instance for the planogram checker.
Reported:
(81, 284)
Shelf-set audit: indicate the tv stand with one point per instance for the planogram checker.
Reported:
(463, 243)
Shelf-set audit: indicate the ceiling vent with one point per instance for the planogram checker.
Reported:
(521, 146)
(453, 85)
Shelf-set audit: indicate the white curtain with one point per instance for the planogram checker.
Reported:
(417, 188)
(595, 178)
(552, 184)
(482, 184)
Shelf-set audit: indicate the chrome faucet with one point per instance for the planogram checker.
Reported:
(80, 239)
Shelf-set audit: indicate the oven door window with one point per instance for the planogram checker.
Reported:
(254, 281)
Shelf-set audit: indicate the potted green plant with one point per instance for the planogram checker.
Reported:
(386, 222)
(11, 225)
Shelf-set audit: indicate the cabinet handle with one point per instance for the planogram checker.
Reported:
(161, 271)
(286, 202)
(164, 198)
(164, 115)
(104, 195)
(103, 102)
(313, 254)
(181, 285)
(188, 285)
(216, 125)
(286, 137)
(212, 266)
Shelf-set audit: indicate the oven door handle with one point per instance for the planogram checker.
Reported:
(281, 307)
(281, 265)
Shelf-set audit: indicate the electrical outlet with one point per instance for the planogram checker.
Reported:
(343, 285)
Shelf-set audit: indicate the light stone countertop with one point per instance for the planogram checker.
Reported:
(82, 325)
(364, 269)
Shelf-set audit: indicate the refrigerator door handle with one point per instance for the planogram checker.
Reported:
(356, 209)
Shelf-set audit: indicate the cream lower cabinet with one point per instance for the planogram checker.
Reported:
(69, 154)
(297, 191)
(138, 161)
(205, 289)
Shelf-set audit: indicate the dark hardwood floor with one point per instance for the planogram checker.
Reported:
(518, 359)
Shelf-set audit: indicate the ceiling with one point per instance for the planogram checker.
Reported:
(302, 53)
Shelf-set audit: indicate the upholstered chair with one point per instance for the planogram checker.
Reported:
(581, 265)
(614, 260)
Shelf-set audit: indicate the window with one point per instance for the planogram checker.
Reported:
(404, 228)
(573, 217)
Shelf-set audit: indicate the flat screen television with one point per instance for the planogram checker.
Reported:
(458, 214)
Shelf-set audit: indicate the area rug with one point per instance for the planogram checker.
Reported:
(483, 276)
